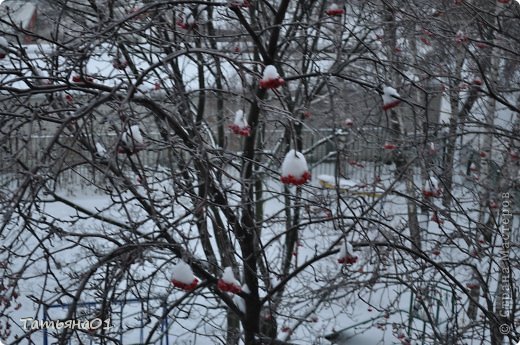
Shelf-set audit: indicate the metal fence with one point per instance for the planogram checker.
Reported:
(328, 151)
(126, 323)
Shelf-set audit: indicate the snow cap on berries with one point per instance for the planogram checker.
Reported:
(270, 72)
(432, 187)
(271, 78)
(240, 125)
(133, 135)
(228, 276)
(433, 182)
(240, 119)
(473, 283)
(100, 150)
(182, 273)
(390, 96)
(294, 169)
(183, 277)
(346, 254)
(228, 283)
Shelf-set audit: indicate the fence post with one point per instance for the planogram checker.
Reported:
(44, 318)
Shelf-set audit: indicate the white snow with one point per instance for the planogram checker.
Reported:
(333, 7)
(270, 73)
(101, 151)
(133, 135)
(294, 164)
(228, 276)
(240, 303)
(389, 94)
(345, 249)
(313, 235)
(330, 181)
(240, 120)
(100, 66)
(342, 183)
(182, 272)
(431, 184)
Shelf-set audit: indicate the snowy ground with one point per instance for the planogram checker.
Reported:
(378, 310)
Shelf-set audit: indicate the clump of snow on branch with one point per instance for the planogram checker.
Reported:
(183, 276)
(228, 282)
(294, 169)
(240, 125)
(132, 141)
(432, 188)
(473, 283)
(100, 150)
(133, 135)
(239, 301)
(271, 78)
(390, 98)
(346, 254)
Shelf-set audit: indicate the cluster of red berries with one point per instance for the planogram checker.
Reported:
(80, 79)
(348, 260)
(333, 12)
(184, 286)
(243, 131)
(271, 83)
(228, 287)
(391, 105)
(431, 193)
(297, 181)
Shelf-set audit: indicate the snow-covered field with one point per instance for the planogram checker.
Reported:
(371, 297)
